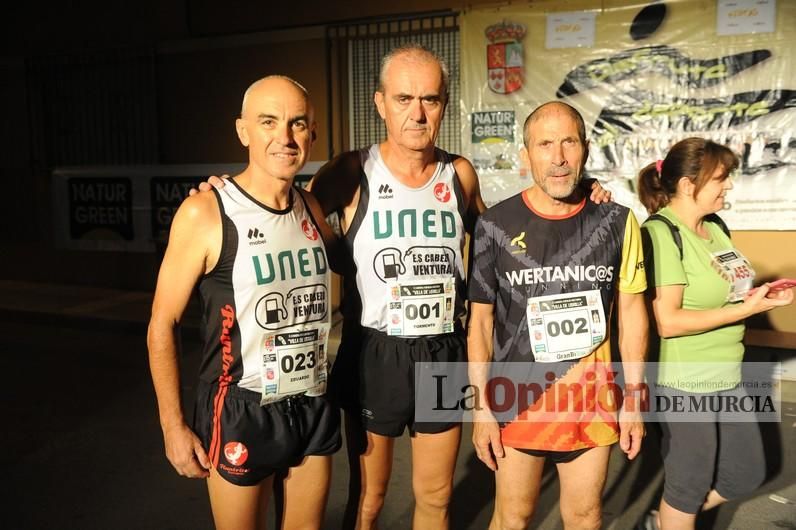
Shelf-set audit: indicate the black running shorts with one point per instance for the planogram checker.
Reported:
(247, 442)
(556, 457)
(374, 377)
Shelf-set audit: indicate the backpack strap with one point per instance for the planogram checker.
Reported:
(678, 241)
(715, 219)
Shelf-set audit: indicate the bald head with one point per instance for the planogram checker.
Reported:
(273, 84)
(548, 109)
(413, 53)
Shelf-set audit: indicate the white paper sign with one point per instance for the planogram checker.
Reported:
(570, 30)
(734, 17)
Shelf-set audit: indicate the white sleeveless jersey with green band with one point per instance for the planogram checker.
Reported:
(407, 246)
(266, 302)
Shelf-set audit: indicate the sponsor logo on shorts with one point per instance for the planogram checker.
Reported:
(236, 453)
(442, 192)
(367, 413)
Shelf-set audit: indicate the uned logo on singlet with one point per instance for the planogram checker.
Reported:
(289, 265)
(433, 223)
(236, 453)
(442, 192)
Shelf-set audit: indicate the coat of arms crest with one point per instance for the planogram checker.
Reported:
(504, 57)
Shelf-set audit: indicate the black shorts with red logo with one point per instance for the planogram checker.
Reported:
(247, 442)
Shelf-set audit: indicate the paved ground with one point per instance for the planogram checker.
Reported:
(84, 450)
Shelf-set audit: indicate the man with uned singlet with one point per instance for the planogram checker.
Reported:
(256, 249)
(543, 262)
(404, 207)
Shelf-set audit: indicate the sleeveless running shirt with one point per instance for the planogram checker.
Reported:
(266, 302)
(407, 246)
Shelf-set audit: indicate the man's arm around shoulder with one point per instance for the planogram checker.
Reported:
(336, 184)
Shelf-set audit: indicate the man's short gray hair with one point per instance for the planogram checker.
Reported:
(419, 51)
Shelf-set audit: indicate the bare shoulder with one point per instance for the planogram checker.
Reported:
(200, 208)
(465, 170)
(197, 223)
(471, 188)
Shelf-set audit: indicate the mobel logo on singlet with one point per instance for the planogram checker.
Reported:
(288, 263)
(432, 223)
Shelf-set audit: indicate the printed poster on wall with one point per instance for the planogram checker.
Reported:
(651, 75)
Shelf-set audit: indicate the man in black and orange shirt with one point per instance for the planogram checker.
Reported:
(543, 261)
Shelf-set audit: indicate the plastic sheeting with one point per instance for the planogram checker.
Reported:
(644, 75)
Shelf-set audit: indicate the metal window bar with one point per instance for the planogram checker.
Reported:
(366, 42)
(94, 108)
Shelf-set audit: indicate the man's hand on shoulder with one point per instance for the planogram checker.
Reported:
(599, 194)
(212, 182)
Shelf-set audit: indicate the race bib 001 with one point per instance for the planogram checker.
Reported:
(736, 270)
(421, 307)
(565, 326)
(294, 362)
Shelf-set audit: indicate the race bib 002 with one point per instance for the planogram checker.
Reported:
(421, 307)
(565, 326)
(294, 362)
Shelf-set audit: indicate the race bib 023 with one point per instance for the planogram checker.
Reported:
(565, 326)
(294, 362)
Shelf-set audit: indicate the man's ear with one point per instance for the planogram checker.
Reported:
(243, 134)
(585, 153)
(314, 135)
(524, 158)
(378, 99)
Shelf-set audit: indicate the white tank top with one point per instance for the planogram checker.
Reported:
(407, 245)
(267, 300)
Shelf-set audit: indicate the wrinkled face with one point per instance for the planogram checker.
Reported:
(710, 198)
(413, 102)
(277, 126)
(555, 154)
